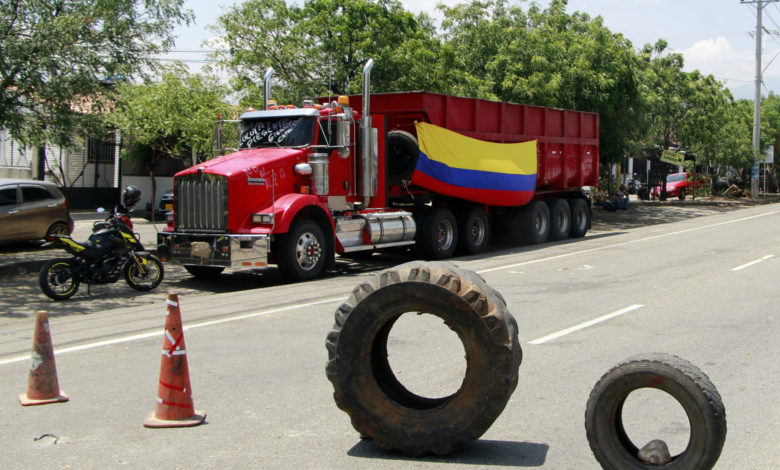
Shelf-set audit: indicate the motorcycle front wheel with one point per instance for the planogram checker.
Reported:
(146, 274)
(57, 279)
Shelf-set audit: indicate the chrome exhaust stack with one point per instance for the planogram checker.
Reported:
(267, 86)
(369, 158)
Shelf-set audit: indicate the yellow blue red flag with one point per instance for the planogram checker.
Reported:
(475, 170)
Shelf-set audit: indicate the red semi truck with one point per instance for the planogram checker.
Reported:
(446, 173)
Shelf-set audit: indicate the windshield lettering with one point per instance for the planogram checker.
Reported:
(276, 132)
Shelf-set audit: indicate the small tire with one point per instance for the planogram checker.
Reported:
(536, 223)
(58, 228)
(560, 219)
(580, 218)
(147, 276)
(204, 272)
(473, 231)
(682, 194)
(57, 280)
(303, 251)
(365, 386)
(439, 234)
(679, 378)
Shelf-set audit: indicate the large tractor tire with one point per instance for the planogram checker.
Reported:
(366, 387)
(606, 434)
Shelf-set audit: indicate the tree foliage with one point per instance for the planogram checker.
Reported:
(501, 50)
(57, 57)
(174, 115)
(321, 47)
(550, 58)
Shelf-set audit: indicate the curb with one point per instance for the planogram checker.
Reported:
(28, 266)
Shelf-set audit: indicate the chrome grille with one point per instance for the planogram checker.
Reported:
(201, 202)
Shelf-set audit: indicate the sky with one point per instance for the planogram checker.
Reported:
(715, 36)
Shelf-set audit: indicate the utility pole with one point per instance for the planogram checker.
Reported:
(757, 96)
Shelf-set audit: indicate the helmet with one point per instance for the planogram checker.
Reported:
(131, 196)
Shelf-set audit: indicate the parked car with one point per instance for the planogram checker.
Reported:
(681, 184)
(166, 202)
(31, 210)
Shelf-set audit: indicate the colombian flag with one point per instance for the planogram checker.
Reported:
(475, 170)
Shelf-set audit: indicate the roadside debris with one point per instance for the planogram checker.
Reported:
(365, 385)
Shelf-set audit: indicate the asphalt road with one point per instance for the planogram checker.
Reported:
(702, 288)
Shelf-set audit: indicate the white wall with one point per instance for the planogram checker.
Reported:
(144, 183)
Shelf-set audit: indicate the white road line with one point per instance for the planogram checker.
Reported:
(160, 332)
(630, 242)
(586, 324)
(747, 265)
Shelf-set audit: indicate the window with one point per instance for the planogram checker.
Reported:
(100, 151)
(35, 193)
(7, 195)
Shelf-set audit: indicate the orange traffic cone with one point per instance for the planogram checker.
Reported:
(42, 386)
(174, 394)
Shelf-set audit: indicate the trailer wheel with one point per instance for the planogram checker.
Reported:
(303, 252)
(367, 389)
(403, 151)
(606, 434)
(473, 230)
(536, 222)
(580, 218)
(439, 235)
(560, 218)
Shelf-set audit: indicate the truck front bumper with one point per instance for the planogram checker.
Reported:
(206, 249)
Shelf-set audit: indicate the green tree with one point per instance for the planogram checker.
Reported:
(320, 48)
(547, 57)
(174, 116)
(56, 57)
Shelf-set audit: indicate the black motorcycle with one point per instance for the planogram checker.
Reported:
(112, 251)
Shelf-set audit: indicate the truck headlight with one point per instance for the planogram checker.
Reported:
(264, 219)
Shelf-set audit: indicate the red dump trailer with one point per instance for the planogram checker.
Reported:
(378, 171)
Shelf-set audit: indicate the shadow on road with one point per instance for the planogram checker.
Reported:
(480, 452)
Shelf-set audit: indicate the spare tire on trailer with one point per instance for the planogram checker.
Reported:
(403, 151)
(367, 389)
(606, 434)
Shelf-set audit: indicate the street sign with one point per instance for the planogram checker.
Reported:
(770, 154)
(670, 156)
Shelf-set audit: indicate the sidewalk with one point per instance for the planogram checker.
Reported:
(19, 259)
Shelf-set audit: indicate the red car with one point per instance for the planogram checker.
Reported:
(680, 184)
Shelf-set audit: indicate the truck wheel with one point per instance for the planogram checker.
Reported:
(536, 222)
(403, 151)
(439, 236)
(473, 231)
(580, 218)
(606, 434)
(560, 216)
(366, 387)
(204, 272)
(303, 252)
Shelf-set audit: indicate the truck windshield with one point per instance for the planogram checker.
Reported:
(276, 132)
